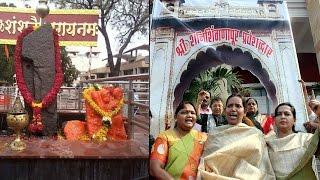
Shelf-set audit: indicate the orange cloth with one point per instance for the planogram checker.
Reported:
(107, 99)
(74, 129)
(94, 121)
(117, 130)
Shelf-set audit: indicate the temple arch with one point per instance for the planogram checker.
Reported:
(224, 54)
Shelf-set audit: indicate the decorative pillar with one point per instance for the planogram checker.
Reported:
(313, 7)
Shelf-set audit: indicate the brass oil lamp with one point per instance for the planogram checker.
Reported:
(17, 120)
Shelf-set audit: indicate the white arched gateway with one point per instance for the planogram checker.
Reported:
(187, 39)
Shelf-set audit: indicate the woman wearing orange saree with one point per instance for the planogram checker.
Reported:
(176, 152)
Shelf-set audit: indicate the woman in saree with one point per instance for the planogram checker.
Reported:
(262, 122)
(236, 150)
(291, 152)
(253, 114)
(176, 152)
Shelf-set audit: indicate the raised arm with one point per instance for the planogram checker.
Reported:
(198, 103)
(305, 93)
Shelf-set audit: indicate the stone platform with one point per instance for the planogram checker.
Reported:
(62, 159)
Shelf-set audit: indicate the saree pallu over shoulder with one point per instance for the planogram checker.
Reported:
(236, 152)
(182, 155)
(291, 156)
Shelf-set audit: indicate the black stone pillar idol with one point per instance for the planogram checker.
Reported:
(38, 63)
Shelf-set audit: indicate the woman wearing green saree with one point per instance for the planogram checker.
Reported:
(176, 152)
(290, 152)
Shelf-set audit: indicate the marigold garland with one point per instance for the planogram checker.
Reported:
(106, 116)
(100, 135)
(84, 138)
(37, 105)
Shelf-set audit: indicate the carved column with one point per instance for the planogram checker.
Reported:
(313, 7)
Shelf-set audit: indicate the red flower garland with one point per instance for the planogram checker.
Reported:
(36, 124)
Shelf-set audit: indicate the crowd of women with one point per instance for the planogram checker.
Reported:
(249, 146)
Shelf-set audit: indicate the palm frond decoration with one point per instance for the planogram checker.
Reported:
(210, 80)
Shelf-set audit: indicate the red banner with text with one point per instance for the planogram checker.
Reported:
(75, 27)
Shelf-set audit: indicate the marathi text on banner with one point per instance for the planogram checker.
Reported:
(75, 27)
(212, 35)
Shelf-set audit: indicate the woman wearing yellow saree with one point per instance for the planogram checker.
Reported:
(290, 152)
(176, 152)
(236, 150)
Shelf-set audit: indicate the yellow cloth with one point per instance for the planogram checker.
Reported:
(236, 152)
(286, 153)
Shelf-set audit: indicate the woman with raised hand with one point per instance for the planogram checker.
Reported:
(312, 123)
(291, 152)
(176, 152)
(236, 150)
